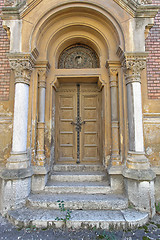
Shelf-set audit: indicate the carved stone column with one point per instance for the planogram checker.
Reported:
(22, 67)
(133, 64)
(42, 74)
(16, 177)
(139, 178)
(113, 74)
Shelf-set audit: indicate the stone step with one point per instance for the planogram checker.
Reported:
(77, 187)
(78, 176)
(78, 168)
(78, 201)
(104, 219)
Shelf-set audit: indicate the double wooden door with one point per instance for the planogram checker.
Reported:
(78, 118)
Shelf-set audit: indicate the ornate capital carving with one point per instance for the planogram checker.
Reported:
(42, 77)
(133, 64)
(22, 65)
(113, 77)
(42, 70)
(113, 71)
(113, 67)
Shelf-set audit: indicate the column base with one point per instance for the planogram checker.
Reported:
(137, 160)
(40, 159)
(116, 178)
(15, 188)
(18, 160)
(139, 187)
(115, 160)
(39, 178)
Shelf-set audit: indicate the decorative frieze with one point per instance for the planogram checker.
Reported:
(22, 65)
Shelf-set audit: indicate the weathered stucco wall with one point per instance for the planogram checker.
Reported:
(152, 137)
(5, 133)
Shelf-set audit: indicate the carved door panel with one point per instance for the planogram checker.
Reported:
(90, 135)
(65, 132)
(78, 124)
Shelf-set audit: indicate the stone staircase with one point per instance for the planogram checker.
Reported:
(85, 190)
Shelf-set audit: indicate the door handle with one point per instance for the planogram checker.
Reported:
(78, 124)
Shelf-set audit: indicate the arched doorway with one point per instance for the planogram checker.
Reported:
(78, 109)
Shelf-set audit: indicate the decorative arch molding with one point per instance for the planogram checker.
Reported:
(86, 35)
(92, 8)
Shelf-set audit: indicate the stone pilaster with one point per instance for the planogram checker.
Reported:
(115, 168)
(41, 170)
(42, 75)
(113, 75)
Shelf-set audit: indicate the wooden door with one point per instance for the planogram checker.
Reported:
(67, 105)
(90, 113)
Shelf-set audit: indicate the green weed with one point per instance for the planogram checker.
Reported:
(63, 209)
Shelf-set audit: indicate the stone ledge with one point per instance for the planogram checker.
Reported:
(14, 174)
(104, 219)
(140, 175)
(38, 170)
(115, 170)
(156, 170)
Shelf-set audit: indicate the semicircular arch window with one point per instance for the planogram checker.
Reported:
(78, 57)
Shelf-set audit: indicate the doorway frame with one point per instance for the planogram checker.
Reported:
(89, 78)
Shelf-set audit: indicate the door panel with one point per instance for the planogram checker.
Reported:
(90, 133)
(65, 139)
(66, 134)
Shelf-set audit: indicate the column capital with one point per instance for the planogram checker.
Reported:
(22, 65)
(113, 68)
(133, 64)
(42, 70)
